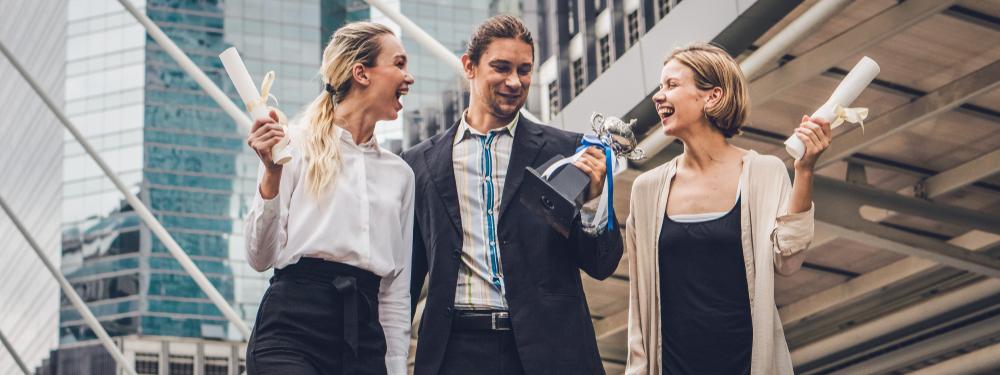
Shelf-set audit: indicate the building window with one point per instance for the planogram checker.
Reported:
(632, 27)
(553, 98)
(147, 363)
(599, 6)
(604, 48)
(578, 83)
(181, 365)
(216, 366)
(664, 8)
(571, 5)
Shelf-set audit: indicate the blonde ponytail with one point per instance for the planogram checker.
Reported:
(354, 43)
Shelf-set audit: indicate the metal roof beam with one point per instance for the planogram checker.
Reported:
(939, 101)
(853, 41)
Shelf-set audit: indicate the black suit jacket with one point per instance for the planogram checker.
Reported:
(551, 320)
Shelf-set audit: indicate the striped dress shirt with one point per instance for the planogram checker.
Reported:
(480, 162)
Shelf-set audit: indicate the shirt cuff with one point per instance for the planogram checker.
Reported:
(268, 206)
(588, 214)
(793, 232)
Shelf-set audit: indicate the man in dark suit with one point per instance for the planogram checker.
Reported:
(504, 293)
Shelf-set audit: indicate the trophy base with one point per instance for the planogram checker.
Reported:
(558, 199)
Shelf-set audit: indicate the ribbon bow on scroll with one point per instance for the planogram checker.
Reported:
(851, 115)
(265, 93)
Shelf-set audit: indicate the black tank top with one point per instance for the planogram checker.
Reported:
(704, 302)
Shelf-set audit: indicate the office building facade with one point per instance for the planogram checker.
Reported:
(174, 147)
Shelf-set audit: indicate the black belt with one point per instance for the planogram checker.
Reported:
(481, 320)
(350, 282)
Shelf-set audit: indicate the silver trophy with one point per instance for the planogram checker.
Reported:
(615, 132)
(557, 189)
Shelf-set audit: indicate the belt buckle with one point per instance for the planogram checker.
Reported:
(500, 315)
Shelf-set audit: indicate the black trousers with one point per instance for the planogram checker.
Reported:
(318, 317)
(481, 352)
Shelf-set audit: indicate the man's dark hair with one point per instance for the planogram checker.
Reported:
(497, 27)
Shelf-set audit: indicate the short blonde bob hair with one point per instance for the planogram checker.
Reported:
(714, 67)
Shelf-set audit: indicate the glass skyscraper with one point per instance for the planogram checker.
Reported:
(171, 145)
(174, 147)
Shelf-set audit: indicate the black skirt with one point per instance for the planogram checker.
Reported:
(318, 317)
(704, 302)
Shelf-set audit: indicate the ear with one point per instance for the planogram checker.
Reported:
(360, 75)
(470, 68)
(714, 96)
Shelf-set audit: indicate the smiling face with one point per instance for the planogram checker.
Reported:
(679, 103)
(500, 80)
(388, 79)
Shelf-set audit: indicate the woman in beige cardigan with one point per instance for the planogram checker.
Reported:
(708, 230)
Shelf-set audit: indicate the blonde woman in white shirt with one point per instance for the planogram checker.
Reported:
(336, 221)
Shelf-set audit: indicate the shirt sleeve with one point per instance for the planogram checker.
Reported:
(593, 221)
(394, 294)
(264, 228)
(792, 233)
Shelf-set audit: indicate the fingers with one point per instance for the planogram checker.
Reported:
(594, 158)
(591, 168)
(585, 167)
(817, 121)
(807, 141)
(809, 137)
(265, 137)
(822, 126)
(595, 152)
(267, 130)
(258, 123)
(821, 134)
(827, 131)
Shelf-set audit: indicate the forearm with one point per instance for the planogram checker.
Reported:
(269, 183)
(801, 199)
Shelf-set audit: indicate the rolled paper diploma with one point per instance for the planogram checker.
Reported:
(836, 107)
(255, 102)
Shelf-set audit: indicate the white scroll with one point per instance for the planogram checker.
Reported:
(835, 109)
(256, 102)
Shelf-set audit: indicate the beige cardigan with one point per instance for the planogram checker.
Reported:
(773, 240)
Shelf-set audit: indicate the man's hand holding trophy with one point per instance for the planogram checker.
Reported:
(557, 192)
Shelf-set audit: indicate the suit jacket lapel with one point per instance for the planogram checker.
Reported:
(439, 163)
(528, 142)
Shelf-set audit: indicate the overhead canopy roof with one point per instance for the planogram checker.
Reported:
(907, 218)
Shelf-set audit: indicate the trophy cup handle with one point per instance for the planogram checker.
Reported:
(596, 120)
